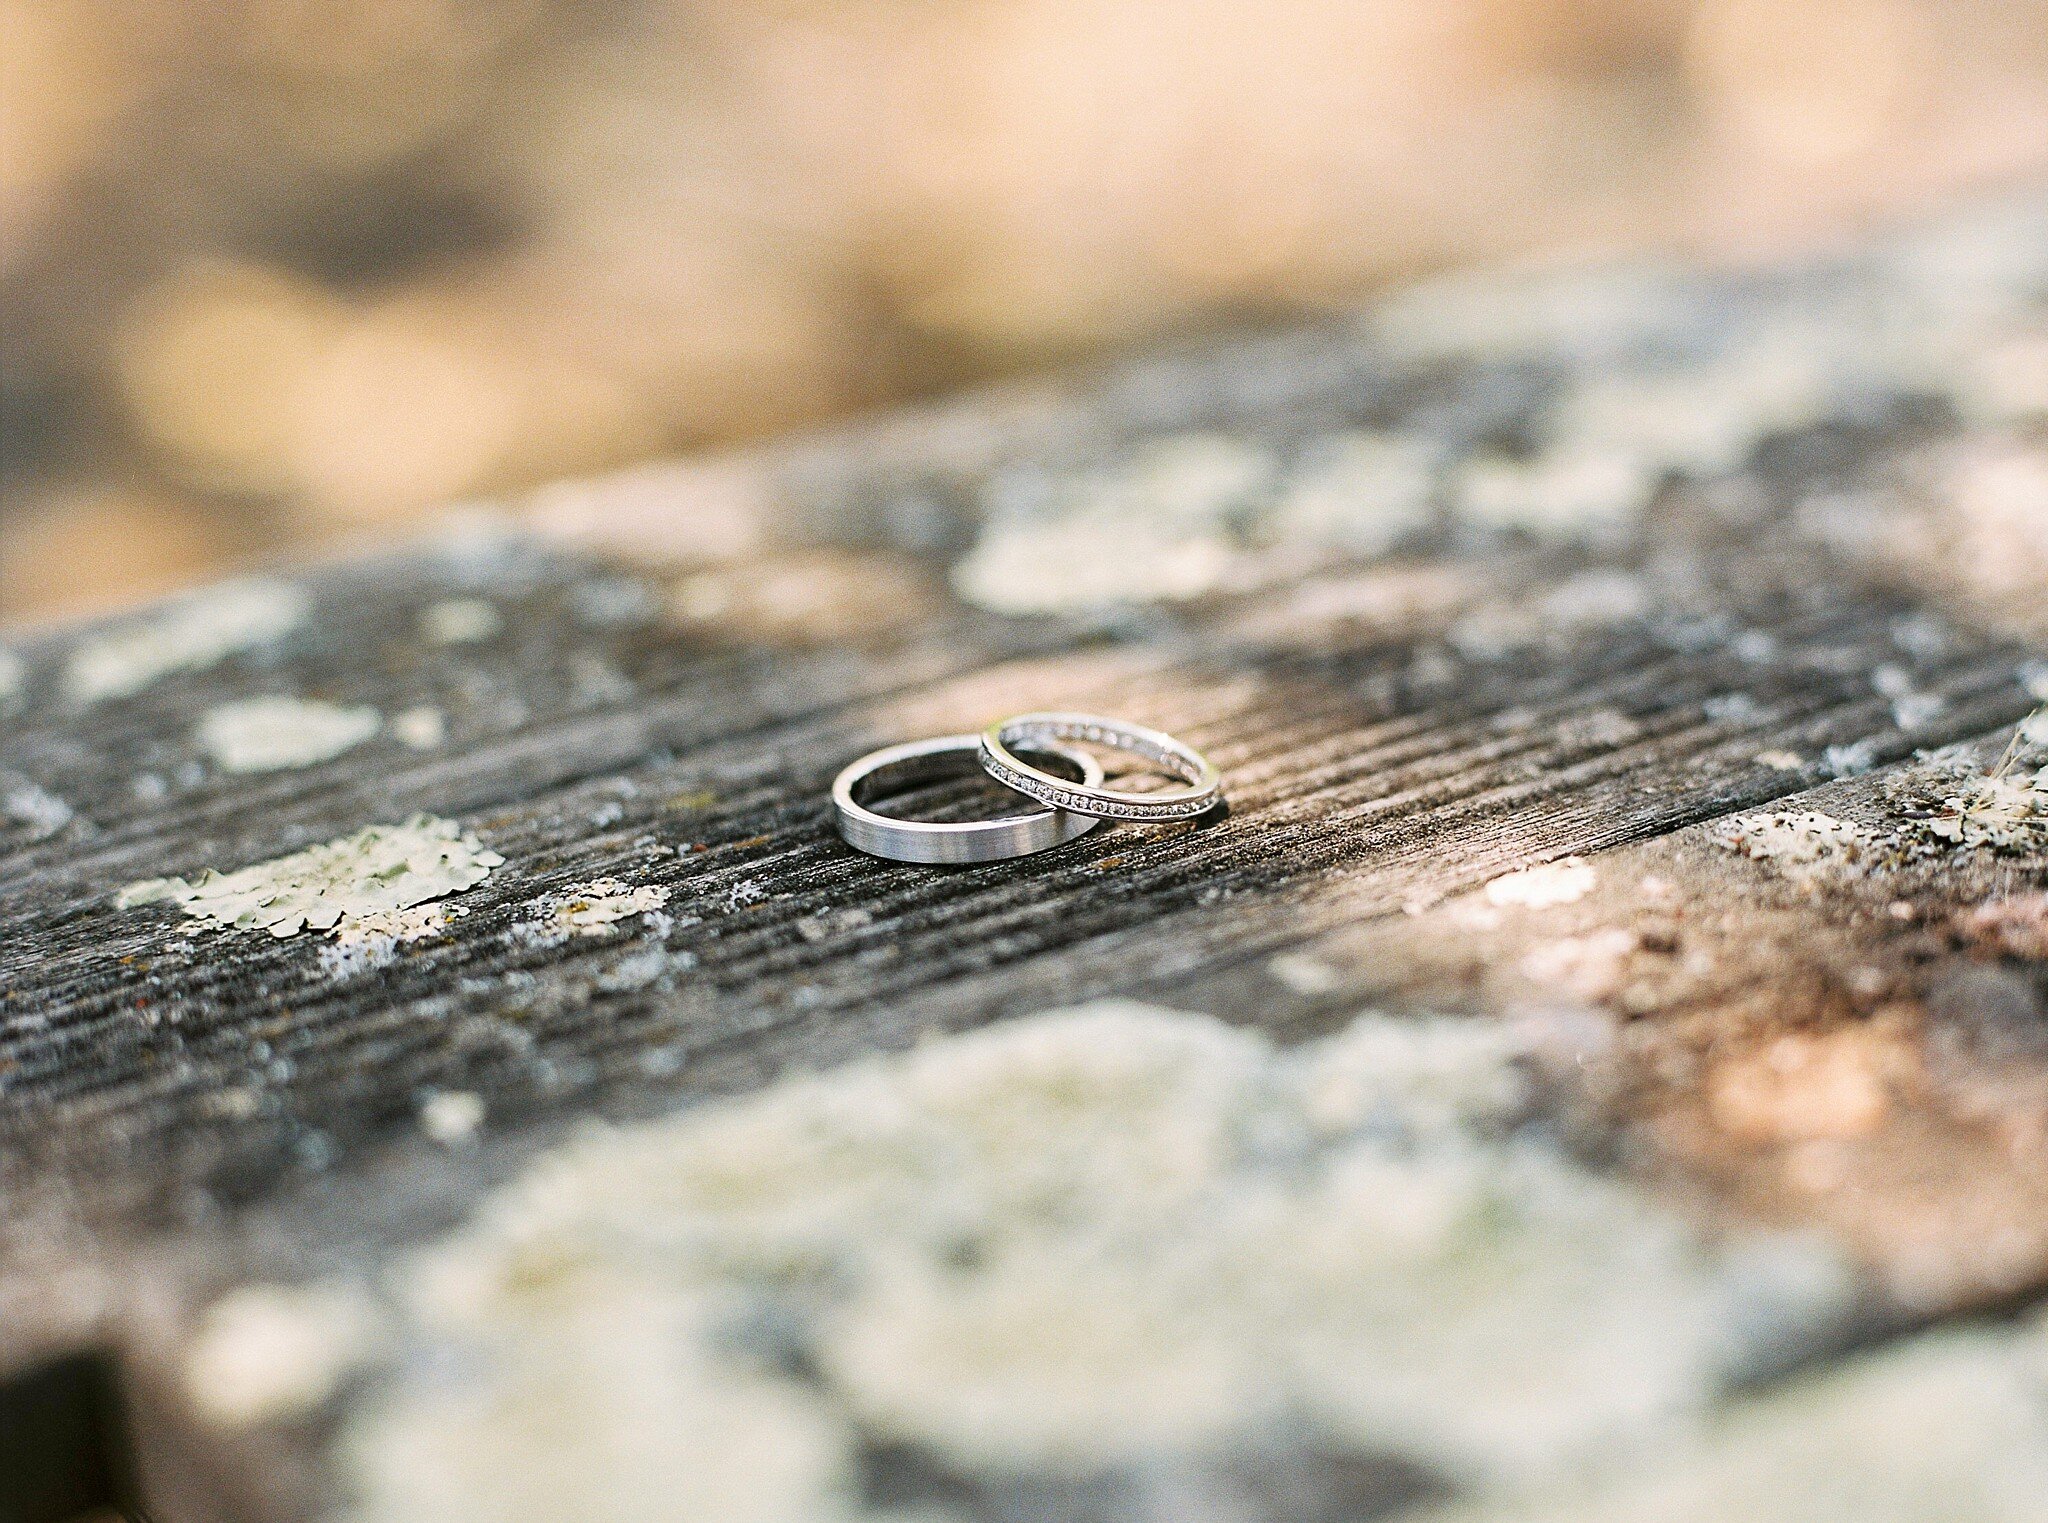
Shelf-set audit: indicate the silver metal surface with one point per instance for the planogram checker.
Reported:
(1201, 786)
(894, 767)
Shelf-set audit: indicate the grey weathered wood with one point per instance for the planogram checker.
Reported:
(1381, 764)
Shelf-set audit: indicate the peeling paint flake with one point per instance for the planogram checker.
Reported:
(192, 634)
(335, 886)
(271, 734)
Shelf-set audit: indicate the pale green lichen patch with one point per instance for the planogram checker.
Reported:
(1805, 845)
(2006, 384)
(1573, 492)
(1361, 492)
(1084, 562)
(269, 734)
(190, 635)
(335, 886)
(1189, 514)
(367, 941)
(610, 1407)
(1521, 314)
(595, 908)
(459, 621)
(1158, 527)
(1951, 1427)
(266, 1354)
(421, 728)
(1586, 397)
(1703, 420)
(1969, 528)
(2006, 813)
(452, 1117)
(1950, 801)
(38, 810)
(1544, 887)
(1099, 1241)
(1955, 800)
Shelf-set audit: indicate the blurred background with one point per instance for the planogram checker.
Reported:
(280, 273)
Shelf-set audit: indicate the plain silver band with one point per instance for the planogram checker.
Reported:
(967, 841)
(1202, 785)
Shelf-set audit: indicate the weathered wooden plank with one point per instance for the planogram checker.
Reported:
(1586, 571)
(1342, 789)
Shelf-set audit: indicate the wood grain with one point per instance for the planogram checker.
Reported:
(183, 1110)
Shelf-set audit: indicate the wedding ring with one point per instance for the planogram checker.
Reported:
(1201, 784)
(894, 767)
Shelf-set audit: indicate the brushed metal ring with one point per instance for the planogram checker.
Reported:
(951, 843)
(1201, 785)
